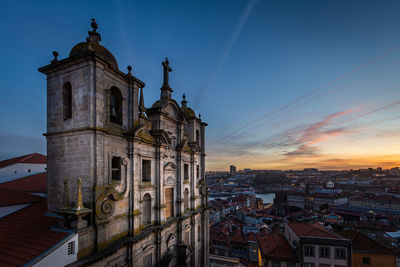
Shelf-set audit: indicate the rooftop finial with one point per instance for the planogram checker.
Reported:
(94, 24)
(199, 116)
(55, 54)
(184, 102)
(79, 202)
(94, 36)
(129, 70)
(141, 103)
(66, 194)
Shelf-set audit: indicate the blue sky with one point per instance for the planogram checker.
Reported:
(308, 83)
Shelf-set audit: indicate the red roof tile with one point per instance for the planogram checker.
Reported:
(9, 197)
(363, 244)
(238, 236)
(35, 158)
(312, 230)
(252, 237)
(26, 234)
(36, 183)
(274, 246)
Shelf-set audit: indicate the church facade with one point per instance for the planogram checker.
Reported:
(128, 179)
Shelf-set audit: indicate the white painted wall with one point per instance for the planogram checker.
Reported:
(19, 170)
(4, 211)
(59, 256)
(317, 260)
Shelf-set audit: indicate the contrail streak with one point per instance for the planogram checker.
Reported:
(363, 81)
(370, 112)
(232, 40)
(357, 68)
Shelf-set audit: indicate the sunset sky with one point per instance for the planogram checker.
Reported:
(281, 84)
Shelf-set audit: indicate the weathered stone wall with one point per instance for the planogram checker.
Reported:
(83, 147)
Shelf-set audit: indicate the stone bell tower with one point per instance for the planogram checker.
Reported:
(128, 179)
(90, 105)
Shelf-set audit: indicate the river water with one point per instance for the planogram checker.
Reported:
(267, 198)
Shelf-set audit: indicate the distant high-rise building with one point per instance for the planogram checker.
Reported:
(232, 169)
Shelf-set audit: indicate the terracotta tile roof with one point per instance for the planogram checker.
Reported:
(312, 230)
(238, 236)
(274, 246)
(36, 183)
(26, 234)
(30, 158)
(252, 237)
(363, 244)
(345, 212)
(10, 197)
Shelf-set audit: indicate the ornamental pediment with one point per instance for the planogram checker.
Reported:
(170, 166)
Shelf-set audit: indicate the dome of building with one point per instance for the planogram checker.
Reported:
(188, 113)
(94, 47)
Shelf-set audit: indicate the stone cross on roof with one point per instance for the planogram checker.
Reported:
(167, 69)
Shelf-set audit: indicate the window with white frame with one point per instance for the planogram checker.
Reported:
(309, 251)
(340, 253)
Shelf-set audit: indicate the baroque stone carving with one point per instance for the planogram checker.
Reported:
(107, 195)
(170, 149)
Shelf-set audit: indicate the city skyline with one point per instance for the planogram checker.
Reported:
(281, 85)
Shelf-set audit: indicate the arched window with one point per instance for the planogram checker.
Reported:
(197, 138)
(186, 199)
(146, 209)
(67, 101)
(116, 106)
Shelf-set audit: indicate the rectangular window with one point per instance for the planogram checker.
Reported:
(309, 251)
(308, 264)
(324, 252)
(116, 169)
(147, 261)
(71, 248)
(291, 264)
(169, 202)
(197, 172)
(67, 101)
(367, 260)
(276, 264)
(340, 253)
(186, 171)
(324, 265)
(146, 170)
